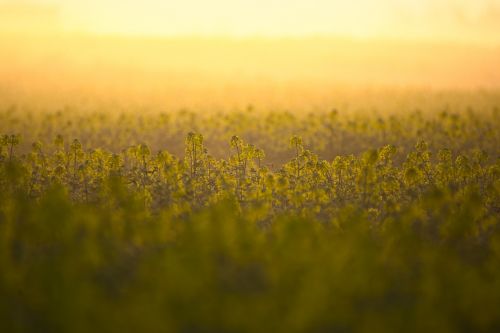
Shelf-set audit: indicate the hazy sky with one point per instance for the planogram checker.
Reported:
(450, 19)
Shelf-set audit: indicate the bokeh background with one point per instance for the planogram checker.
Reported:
(226, 54)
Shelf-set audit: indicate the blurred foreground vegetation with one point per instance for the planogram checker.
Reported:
(314, 223)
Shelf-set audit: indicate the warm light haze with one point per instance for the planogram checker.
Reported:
(458, 20)
(240, 51)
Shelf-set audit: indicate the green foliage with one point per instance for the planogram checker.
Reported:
(393, 237)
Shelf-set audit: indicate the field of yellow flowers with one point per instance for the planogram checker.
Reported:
(251, 220)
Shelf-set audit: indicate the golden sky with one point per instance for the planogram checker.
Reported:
(455, 20)
(399, 43)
